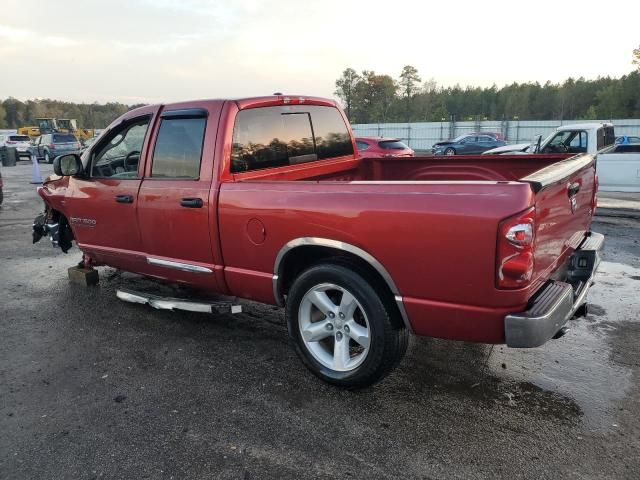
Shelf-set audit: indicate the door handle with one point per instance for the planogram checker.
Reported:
(124, 199)
(573, 189)
(191, 202)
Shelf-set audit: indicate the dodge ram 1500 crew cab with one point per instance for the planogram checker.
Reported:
(266, 199)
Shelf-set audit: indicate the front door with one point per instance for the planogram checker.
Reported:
(174, 210)
(102, 204)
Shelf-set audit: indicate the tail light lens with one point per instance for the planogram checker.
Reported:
(515, 250)
(596, 184)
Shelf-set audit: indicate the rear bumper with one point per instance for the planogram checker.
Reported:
(557, 301)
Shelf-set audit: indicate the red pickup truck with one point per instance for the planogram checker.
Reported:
(266, 199)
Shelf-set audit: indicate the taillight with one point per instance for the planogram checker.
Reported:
(515, 250)
(52, 146)
(594, 201)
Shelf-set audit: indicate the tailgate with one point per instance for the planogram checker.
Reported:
(564, 202)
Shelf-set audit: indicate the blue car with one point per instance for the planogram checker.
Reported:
(470, 144)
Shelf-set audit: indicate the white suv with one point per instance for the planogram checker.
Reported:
(22, 143)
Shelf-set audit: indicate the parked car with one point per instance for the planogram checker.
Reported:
(22, 143)
(619, 168)
(377, 147)
(50, 145)
(470, 144)
(626, 139)
(266, 199)
(572, 138)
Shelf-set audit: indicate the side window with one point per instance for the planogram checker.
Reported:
(578, 143)
(362, 146)
(271, 137)
(178, 149)
(118, 153)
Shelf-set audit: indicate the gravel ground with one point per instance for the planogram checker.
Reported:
(92, 387)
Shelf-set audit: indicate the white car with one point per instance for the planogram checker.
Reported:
(22, 143)
(619, 168)
(573, 138)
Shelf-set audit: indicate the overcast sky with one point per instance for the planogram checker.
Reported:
(162, 50)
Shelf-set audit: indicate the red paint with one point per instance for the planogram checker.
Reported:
(432, 222)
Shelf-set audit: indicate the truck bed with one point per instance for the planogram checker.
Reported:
(431, 221)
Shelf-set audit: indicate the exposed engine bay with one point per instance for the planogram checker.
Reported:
(53, 224)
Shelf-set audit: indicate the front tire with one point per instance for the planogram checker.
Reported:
(47, 158)
(343, 331)
(450, 151)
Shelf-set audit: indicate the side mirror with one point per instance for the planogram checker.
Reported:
(67, 165)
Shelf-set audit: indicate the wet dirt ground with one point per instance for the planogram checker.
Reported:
(92, 387)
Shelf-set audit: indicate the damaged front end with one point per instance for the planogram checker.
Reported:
(53, 224)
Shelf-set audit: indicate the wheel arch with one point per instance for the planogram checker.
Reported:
(301, 253)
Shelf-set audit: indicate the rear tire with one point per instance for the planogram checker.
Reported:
(450, 151)
(343, 331)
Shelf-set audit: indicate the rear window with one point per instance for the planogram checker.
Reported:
(271, 137)
(392, 145)
(606, 137)
(19, 138)
(61, 138)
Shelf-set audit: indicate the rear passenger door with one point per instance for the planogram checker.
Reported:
(176, 213)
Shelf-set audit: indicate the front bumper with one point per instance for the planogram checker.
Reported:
(557, 301)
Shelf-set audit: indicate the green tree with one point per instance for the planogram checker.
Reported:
(345, 88)
(374, 97)
(409, 85)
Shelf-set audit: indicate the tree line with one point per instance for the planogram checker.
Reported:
(15, 113)
(369, 97)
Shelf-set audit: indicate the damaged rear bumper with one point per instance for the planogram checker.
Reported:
(557, 301)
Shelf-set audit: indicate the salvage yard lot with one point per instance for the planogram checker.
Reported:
(91, 387)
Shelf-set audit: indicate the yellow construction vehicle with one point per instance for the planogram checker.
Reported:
(70, 125)
(33, 132)
(47, 125)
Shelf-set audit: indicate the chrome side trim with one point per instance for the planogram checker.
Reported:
(338, 245)
(185, 267)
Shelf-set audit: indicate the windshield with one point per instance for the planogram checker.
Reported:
(458, 138)
(19, 138)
